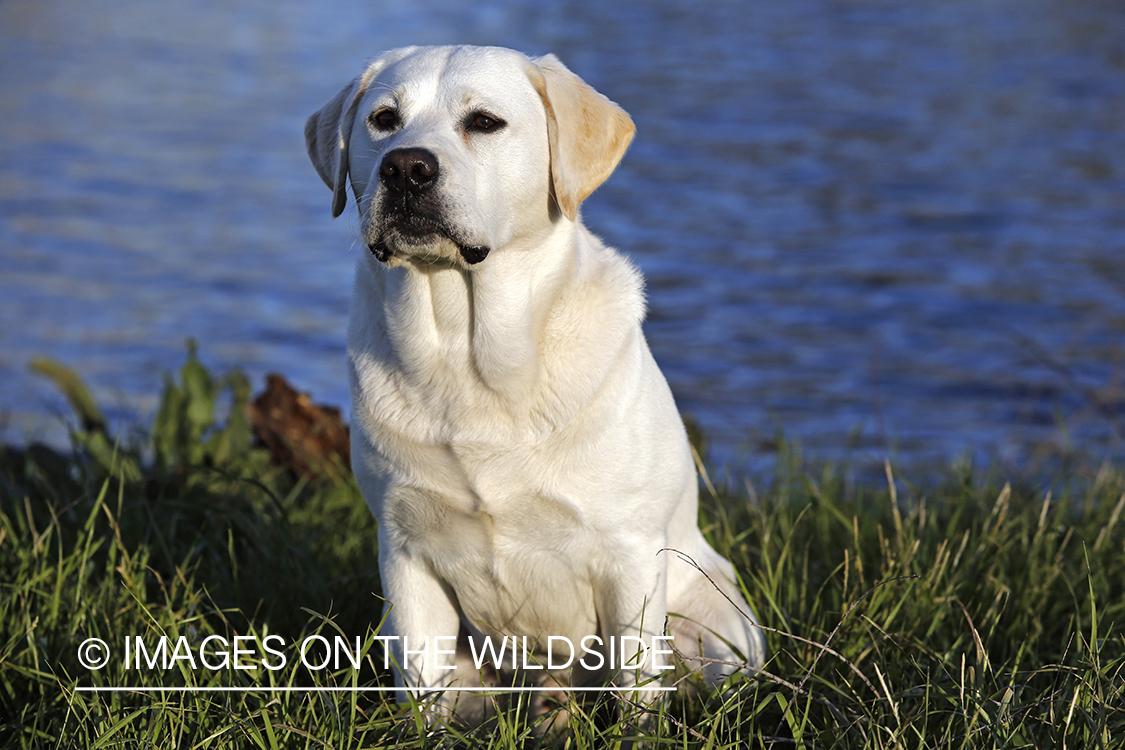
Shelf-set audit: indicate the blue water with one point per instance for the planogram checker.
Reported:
(880, 228)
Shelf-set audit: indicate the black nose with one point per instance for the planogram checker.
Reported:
(409, 170)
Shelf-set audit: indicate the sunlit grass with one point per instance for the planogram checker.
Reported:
(970, 614)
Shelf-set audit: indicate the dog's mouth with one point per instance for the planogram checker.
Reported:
(413, 236)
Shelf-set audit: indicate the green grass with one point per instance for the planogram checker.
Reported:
(968, 614)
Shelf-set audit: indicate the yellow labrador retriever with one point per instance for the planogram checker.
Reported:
(511, 431)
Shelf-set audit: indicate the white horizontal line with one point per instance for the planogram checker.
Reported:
(145, 689)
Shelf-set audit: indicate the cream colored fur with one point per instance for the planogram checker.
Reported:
(511, 431)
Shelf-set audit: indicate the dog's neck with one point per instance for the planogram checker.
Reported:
(486, 322)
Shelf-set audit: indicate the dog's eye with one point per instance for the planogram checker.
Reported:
(483, 123)
(384, 119)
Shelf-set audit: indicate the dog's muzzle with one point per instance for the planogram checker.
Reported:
(408, 175)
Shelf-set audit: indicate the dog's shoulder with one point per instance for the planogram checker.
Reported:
(594, 329)
(606, 298)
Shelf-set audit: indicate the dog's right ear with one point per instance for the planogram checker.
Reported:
(329, 131)
(327, 134)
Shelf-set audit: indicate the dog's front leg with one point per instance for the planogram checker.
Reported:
(633, 608)
(423, 623)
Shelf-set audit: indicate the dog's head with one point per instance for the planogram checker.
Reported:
(454, 151)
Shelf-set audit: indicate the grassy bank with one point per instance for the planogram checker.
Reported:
(972, 614)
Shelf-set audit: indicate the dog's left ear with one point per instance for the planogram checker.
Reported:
(588, 134)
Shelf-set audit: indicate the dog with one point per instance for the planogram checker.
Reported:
(511, 431)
